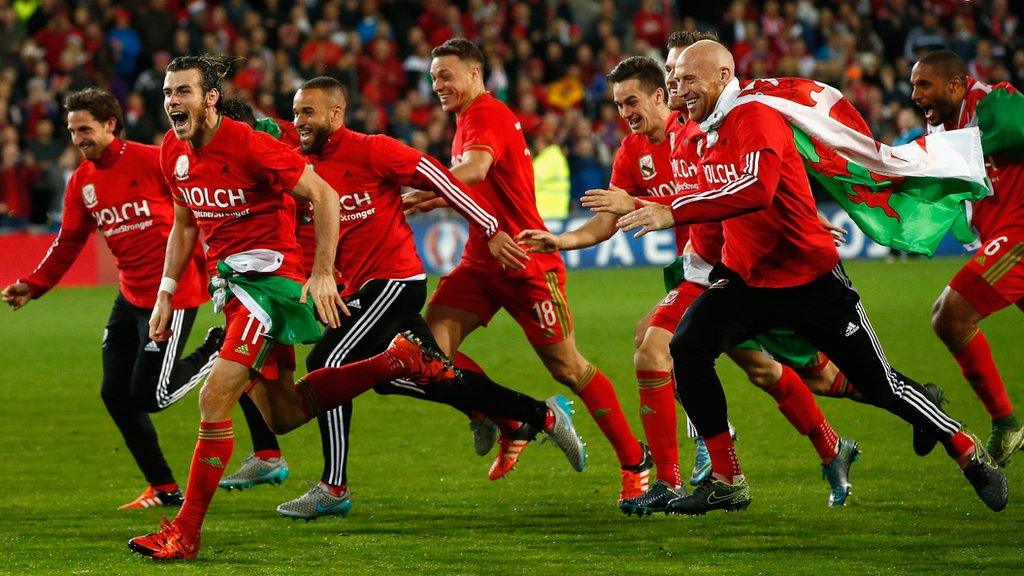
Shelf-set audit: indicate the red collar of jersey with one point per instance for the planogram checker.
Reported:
(113, 151)
(474, 101)
(217, 130)
(333, 142)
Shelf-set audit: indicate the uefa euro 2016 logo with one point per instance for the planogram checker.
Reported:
(442, 245)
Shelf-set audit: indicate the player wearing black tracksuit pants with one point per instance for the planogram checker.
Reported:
(141, 376)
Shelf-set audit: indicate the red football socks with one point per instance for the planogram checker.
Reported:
(327, 388)
(509, 428)
(463, 362)
(960, 447)
(978, 367)
(267, 454)
(843, 388)
(795, 401)
(825, 441)
(597, 392)
(724, 463)
(212, 453)
(172, 487)
(658, 416)
(840, 387)
(797, 404)
(335, 491)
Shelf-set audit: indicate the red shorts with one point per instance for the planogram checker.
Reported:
(536, 302)
(667, 313)
(994, 278)
(244, 342)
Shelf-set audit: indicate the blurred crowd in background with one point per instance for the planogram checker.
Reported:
(547, 59)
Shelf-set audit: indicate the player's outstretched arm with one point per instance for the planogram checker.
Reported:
(75, 230)
(612, 200)
(17, 295)
(472, 170)
(321, 286)
(649, 218)
(181, 245)
(596, 230)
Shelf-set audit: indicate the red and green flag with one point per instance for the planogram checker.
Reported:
(1000, 115)
(907, 197)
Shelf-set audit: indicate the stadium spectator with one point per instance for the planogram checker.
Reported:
(551, 176)
(926, 37)
(553, 51)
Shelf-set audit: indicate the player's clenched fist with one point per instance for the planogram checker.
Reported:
(17, 295)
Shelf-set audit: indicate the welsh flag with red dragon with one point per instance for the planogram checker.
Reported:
(906, 197)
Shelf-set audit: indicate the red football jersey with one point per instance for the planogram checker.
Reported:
(684, 136)
(368, 172)
(644, 168)
(488, 125)
(124, 196)
(237, 187)
(1006, 206)
(753, 179)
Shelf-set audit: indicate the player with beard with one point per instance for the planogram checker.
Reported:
(230, 182)
(994, 278)
(642, 168)
(490, 155)
(120, 191)
(385, 284)
(779, 267)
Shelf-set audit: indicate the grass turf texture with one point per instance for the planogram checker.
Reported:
(423, 504)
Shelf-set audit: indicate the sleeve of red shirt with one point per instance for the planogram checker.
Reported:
(480, 134)
(407, 166)
(277, 165)
(760, 136)
(74, 233)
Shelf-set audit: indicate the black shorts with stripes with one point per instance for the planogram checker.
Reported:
(379, 310)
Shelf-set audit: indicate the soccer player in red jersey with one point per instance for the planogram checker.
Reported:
(120, 191)
(490, 154)
(638, 89)
(779, 267)
(385, 284)
(230, 182)
(994, 278)
(266, 464)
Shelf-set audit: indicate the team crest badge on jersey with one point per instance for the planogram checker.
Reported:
(670, 298)
(181, 168)
(89, 195)
(647, 169)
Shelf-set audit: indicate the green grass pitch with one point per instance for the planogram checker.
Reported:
(422, 501)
